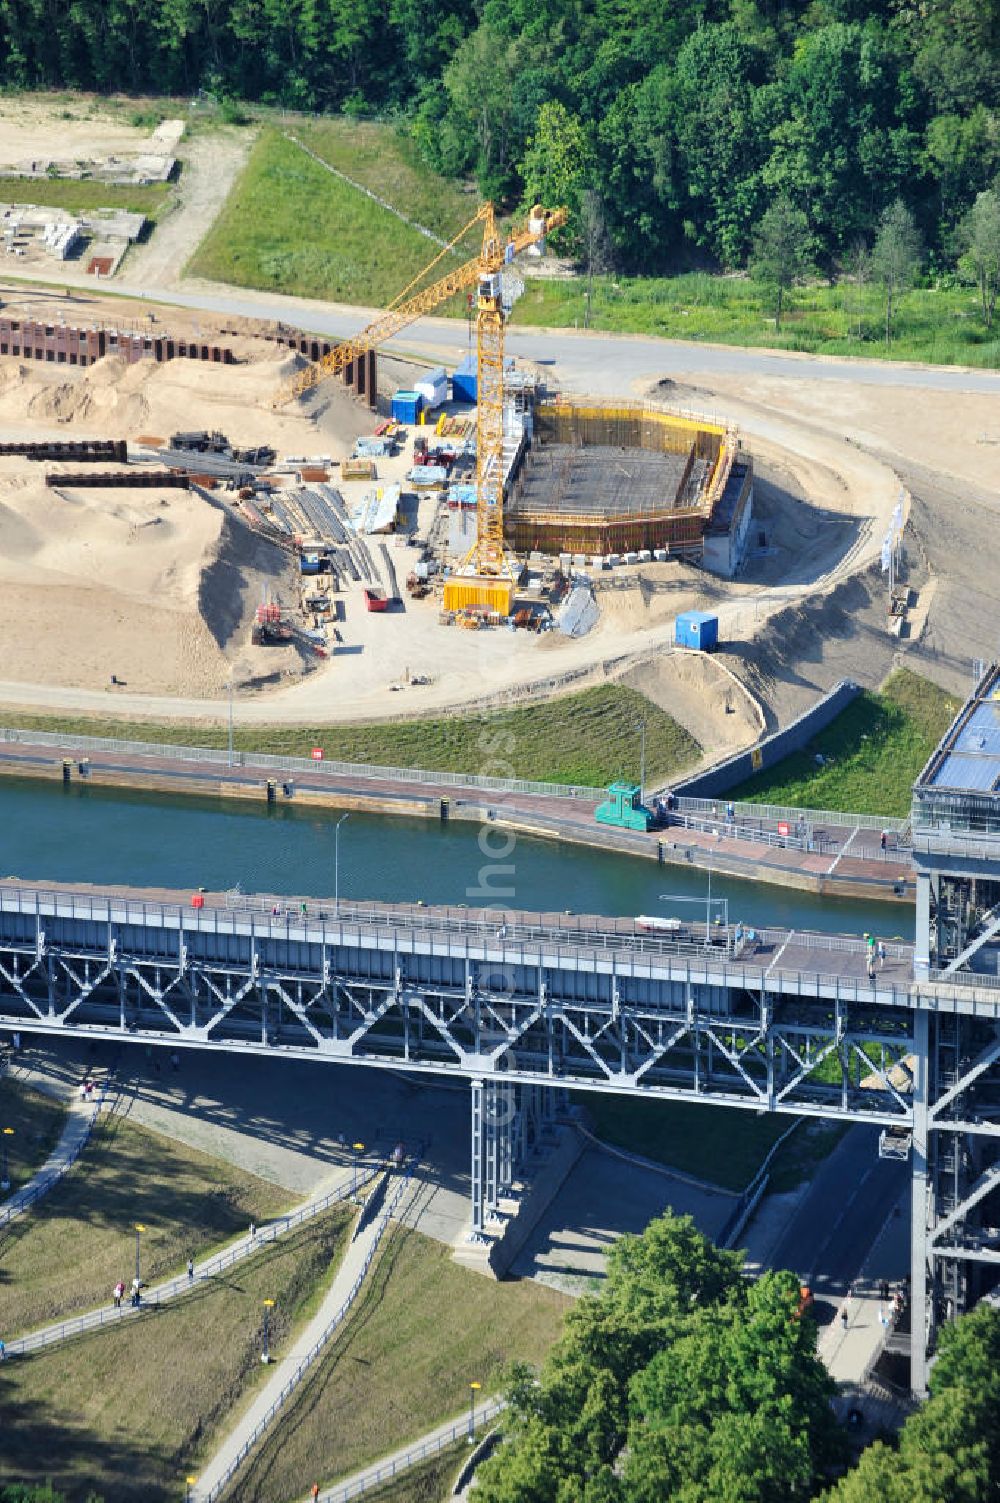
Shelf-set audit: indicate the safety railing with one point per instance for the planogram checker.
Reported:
(267, 762)
(174, 1288)
(303, 1366)
(330, 925)
(380, 1474)
(843, 944)
(46, 1180)
(966, 978)
(734, 830)
(790, 814)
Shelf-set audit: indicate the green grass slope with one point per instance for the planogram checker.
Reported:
(79, 1240)
(289, 225)
(127, 1413)
(421, 1333)
(875, 750)
(942, 326)
(589, 737)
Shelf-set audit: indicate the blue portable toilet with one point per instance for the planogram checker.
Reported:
(464, 381)
(697, 629)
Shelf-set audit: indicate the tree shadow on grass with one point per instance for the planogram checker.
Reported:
(40, 1445)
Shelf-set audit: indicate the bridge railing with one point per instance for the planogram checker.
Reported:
(267, 762)
(162, 1294)
(378, 1476)
(327, 923)
(303, 1366)
(790, 814)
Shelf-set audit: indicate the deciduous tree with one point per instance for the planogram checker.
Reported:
(980, 234)
(896, 256)
(780, 255)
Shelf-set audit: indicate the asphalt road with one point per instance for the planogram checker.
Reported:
(605, 364)
(831, 1231)
(598, 362)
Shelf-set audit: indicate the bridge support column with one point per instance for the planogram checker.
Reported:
(919, 1323)
(478, 1146)
(491, 1125)
(921, 953)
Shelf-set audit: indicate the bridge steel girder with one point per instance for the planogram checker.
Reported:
(521, 1021)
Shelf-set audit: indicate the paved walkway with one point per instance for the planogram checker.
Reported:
(291, 1366)
(387, 1467)
(80, 1118)
(850, 1352)
(243, 1247)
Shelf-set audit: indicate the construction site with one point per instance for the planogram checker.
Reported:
(339, 507)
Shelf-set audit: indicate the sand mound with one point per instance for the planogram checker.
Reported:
(112, 394)
(702, 697)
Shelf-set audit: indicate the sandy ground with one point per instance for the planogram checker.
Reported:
(943, 449)
(155, 586)
(31, 127)
(210, 165)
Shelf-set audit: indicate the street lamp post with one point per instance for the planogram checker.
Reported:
(229, 686)
(189, 1483)
(7, 1134)
(265, 1355)
(358, 1148)
(473, 1390)
(336, 862)
(139, 1229)
(641, 728)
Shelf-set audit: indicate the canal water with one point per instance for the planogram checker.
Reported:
(80, 834)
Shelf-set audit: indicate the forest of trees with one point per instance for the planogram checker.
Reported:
(679, 122)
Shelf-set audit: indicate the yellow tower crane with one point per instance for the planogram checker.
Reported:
(491, 579)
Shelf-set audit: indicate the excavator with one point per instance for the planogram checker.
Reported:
(487, 575)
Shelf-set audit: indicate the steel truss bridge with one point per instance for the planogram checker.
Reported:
(524, 1006)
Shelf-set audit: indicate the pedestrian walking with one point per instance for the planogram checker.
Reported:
(883, 1291)
(314, 1490)
(730, 811)
(881, 953)
(3, 1351)
(119, 1294)
(871, 968)
(136, 1293)
(843, 1315)
(253, 1230)
(883, 840)
(304, 911)
(190, 1270)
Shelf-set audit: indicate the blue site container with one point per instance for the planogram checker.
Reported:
(464, 381)
(406, 406)
(698, 629)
